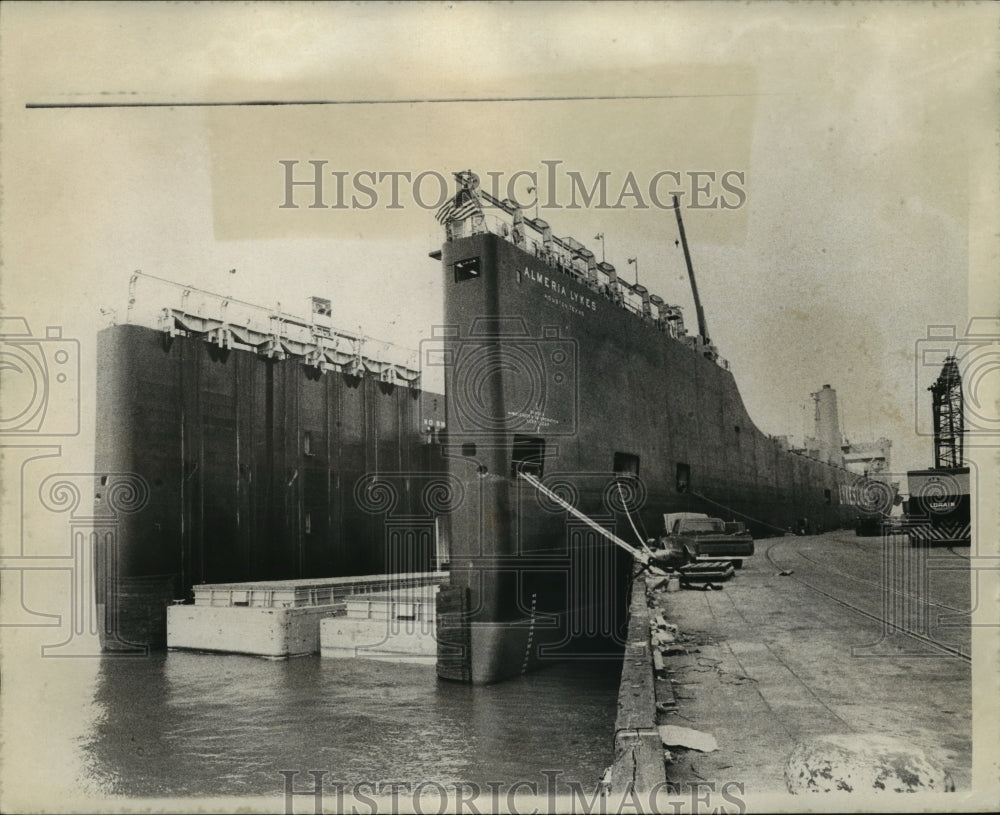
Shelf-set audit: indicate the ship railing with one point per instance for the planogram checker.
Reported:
(310, 592)
(632, 301)
(231, 323)
(563, 255)
(631, 307)
(494, 224)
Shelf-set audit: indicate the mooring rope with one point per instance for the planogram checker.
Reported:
(737, 512)
(638, 554)
(640, 538)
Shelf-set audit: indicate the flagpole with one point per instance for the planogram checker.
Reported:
(600, 237)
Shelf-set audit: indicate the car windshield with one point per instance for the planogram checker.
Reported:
(703, 525)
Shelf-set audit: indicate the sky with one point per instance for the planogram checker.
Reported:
(861, 138)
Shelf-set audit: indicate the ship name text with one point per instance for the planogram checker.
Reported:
(574, 300)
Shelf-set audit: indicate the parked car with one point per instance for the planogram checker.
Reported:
(701, 537)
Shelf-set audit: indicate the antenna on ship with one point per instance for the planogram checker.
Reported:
(535, 191)
(635, 262)
(600, 237)
(702, 326)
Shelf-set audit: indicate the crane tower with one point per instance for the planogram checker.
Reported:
(948, 423)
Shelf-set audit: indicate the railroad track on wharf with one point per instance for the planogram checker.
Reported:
(771, 555)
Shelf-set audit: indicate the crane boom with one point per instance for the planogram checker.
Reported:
(702, 325)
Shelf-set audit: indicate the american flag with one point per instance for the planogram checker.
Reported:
(452, 211)
(465, 210)
(447, 208)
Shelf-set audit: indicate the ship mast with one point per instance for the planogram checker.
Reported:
(702, 326)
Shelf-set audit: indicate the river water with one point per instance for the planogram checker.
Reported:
(183, 724)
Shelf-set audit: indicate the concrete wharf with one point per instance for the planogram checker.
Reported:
(859, 640)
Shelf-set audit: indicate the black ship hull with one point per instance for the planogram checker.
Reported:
(250, 468)
(546, 373)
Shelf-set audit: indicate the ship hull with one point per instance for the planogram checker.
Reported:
(249, 468)
(544, 372)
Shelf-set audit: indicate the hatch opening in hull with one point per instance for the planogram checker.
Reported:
(528, 456)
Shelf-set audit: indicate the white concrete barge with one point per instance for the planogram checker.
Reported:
(281, 618)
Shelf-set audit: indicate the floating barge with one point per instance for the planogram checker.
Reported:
(284, 618)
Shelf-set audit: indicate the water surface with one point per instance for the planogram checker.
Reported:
(185, 724)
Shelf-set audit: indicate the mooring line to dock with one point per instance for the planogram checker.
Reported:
(638, 537)
(642, 555)
(737, 512)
